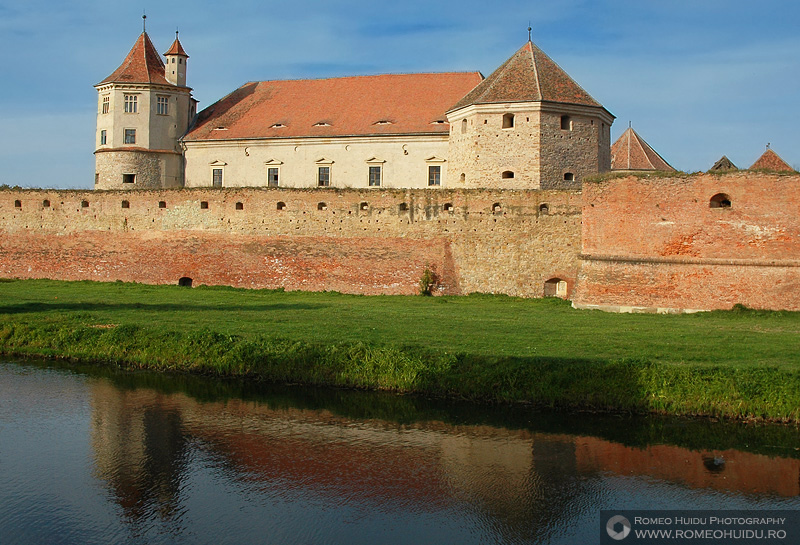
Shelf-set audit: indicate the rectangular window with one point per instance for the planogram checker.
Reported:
(216, 177)
(324, 176)
(272, 177)
(162, 106)
(128, 178)
(374, 176)
(103, 137)
(131, 104)
(434, 175)
(106, 104)
(130, 136)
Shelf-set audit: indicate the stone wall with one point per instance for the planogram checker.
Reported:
(152, 169)
(695, 242)
(353, 241)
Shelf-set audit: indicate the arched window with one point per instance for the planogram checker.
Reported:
(556, 287)
(720, 200)
(569, 177)
(544, 209)
(448, 207)
(363, 206)
(497, 208)
(126, 204)
(566, 123)
(281, 205)
(322, 206)
(507, 174)
(463, 126)
(463, 178)
(508, 121)
(185, 281)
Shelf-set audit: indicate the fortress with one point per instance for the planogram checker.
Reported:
(361, 184)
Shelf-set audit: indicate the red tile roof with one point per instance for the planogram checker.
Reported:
(528, 76)
(176, 48)
(142, 65)
(770, 161)
(631, 152)
(360, 105)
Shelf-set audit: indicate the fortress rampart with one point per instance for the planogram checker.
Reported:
(695, 242)
(353, 241)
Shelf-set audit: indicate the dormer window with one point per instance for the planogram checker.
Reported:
(438, 122)
(277, 126)
(383, 122)
(322, 124)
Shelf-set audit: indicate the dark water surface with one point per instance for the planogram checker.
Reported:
(91, 455)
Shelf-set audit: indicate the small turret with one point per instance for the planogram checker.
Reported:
(175, 70)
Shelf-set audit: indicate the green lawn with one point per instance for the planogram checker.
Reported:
(479, 346)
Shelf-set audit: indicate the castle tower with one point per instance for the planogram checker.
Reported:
(143, 109)
(528, 125)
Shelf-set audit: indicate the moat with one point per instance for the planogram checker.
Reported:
(93, 455)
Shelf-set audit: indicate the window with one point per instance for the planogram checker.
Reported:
(507, 174)
(162, 204)
(272, 177)
(17, 204)
(555, 287)
(497, 208)
(569, 177)
(508, 121)
(184, 281)
(239, 206)
(374, 176)
(448, 207)
(128, 178)
(463, 126)
(84, 204)
(544, 209)
(130, 136)
(720, 200)
(322, 206)
(126, 204)
(131, 106)
(324, 176)
(363, 205)
(402, 207)
(96, 178)
(45, 203)
(434, 175)
(162, 106)
(566, 123)
(216, 177)
(203, 205)
(103, 137)
(106, 104)
(281, 205)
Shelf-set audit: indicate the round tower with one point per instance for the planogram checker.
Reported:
(143, 110)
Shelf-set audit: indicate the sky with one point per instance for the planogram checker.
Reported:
(697, 79)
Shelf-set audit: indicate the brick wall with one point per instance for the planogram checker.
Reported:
(658, 243)
(353, 241)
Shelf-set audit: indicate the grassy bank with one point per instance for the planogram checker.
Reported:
(738, 364)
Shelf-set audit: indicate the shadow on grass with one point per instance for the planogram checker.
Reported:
(30, 308)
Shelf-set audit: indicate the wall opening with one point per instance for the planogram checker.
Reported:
(281, 205)
(569, 177)
(566, 123)
(126, 204)
(84, 204)
(402, 207)
(17, 204)
(239, 206)
(544, 209)
(463, 178)
(128, 178)
(45, 203)
(322, 206)
(508, 121)
(448, 207)
(555, 287)
(720, 200)
(463, 126)
(363, 206)
(497, 208)
(162, 204)
(507, 174)
(185, 281)
(203, 205)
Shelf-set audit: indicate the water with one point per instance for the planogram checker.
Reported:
(90, 455)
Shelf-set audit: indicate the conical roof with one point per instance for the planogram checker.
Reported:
(771, 161)
(176, 48)
(723, 164)
(631, 152)
(142, 65)
(528, 76)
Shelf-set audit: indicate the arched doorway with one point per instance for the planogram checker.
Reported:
(185, 282)
(556, 287)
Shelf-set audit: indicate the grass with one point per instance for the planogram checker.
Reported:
(740, 364)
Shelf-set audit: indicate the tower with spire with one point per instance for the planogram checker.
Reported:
(143, 109)
(528, 125)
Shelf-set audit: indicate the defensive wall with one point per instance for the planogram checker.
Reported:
(683, 243)
(352, 241)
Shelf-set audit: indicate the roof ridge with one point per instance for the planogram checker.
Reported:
(460, 72)
(535, 69)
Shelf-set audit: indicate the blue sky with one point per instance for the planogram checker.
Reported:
(698, 79)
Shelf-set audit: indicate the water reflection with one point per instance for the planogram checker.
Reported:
(200, 460)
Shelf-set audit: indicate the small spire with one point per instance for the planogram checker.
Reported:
(767, 145)
(144, 21)
(629, 124)
(529, 31)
